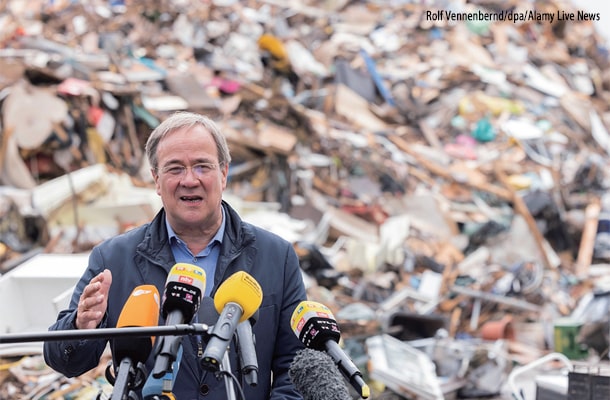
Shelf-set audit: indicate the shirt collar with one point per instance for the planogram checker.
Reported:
(217, 237)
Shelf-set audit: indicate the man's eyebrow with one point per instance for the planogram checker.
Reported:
(203, 160)
(171, 162)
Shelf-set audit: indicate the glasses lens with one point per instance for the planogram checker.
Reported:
(198, 170)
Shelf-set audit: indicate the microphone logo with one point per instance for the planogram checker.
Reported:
(300, 325)
(307, 311)
(252, 284)
(313, 333)
(140, 291)
(240, 288)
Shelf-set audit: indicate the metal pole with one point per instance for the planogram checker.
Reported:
(105, 333)
(225, 365)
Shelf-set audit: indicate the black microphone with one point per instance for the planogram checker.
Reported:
(315, 326)
(246, 347)
(183, 290)
(129, 354)
(315, 375)
(207, 313)
(236, 300)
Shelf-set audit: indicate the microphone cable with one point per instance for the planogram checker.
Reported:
(222, 373)
(207, 314)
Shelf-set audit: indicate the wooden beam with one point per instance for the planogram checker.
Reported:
(445, 173)
(587, 239)
(521, 208)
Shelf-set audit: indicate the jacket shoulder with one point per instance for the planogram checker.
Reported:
(264, 236)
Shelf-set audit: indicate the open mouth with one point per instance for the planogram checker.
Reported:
(191, 198)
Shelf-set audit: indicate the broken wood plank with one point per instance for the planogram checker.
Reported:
(587, 239)
(521, 208)
(443, 172)
(508, 301)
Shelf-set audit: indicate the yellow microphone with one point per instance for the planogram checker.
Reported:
(240, 288)
(236, 299)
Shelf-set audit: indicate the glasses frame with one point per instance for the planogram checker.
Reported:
(179, 171)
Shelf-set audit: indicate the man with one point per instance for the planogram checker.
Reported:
(189, 160)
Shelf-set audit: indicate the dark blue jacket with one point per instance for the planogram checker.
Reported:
(143, 256)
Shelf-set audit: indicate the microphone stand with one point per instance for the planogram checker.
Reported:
(126, 371)
(225, 365)
(128, 378)
(223, 368)
(105, 333)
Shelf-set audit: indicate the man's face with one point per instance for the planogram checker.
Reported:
(190, 180)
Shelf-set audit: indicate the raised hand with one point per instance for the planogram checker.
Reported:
(93, 301)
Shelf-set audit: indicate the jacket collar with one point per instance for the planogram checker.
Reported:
(155, 244)
(238, 247)
(238, 236)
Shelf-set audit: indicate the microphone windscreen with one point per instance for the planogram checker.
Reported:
(240, 288)
(189, 274)
(184, 288)
(314, 374)
(314, 323)
(141, 309)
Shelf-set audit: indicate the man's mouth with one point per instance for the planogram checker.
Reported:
(191, 198)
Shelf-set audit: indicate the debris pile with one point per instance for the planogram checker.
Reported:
(444, 181)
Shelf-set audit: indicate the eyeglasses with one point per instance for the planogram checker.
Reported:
(199, 170)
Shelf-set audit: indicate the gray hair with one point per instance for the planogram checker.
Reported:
(180, 120)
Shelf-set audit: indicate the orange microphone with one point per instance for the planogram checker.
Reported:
(129, 354)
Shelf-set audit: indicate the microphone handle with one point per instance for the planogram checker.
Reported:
(220, 336)
(345, 365)
(247, 352)
(122, 385)
(161, 388)
(168, 347)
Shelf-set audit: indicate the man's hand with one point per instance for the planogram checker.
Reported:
(93, 301)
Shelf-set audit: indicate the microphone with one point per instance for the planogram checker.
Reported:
(181, 298)
(315, 375)
(207, 313)
(246, 342)
(236, 299)
(141, 309)
(245, 339)
(315, 326)
(161, 388)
